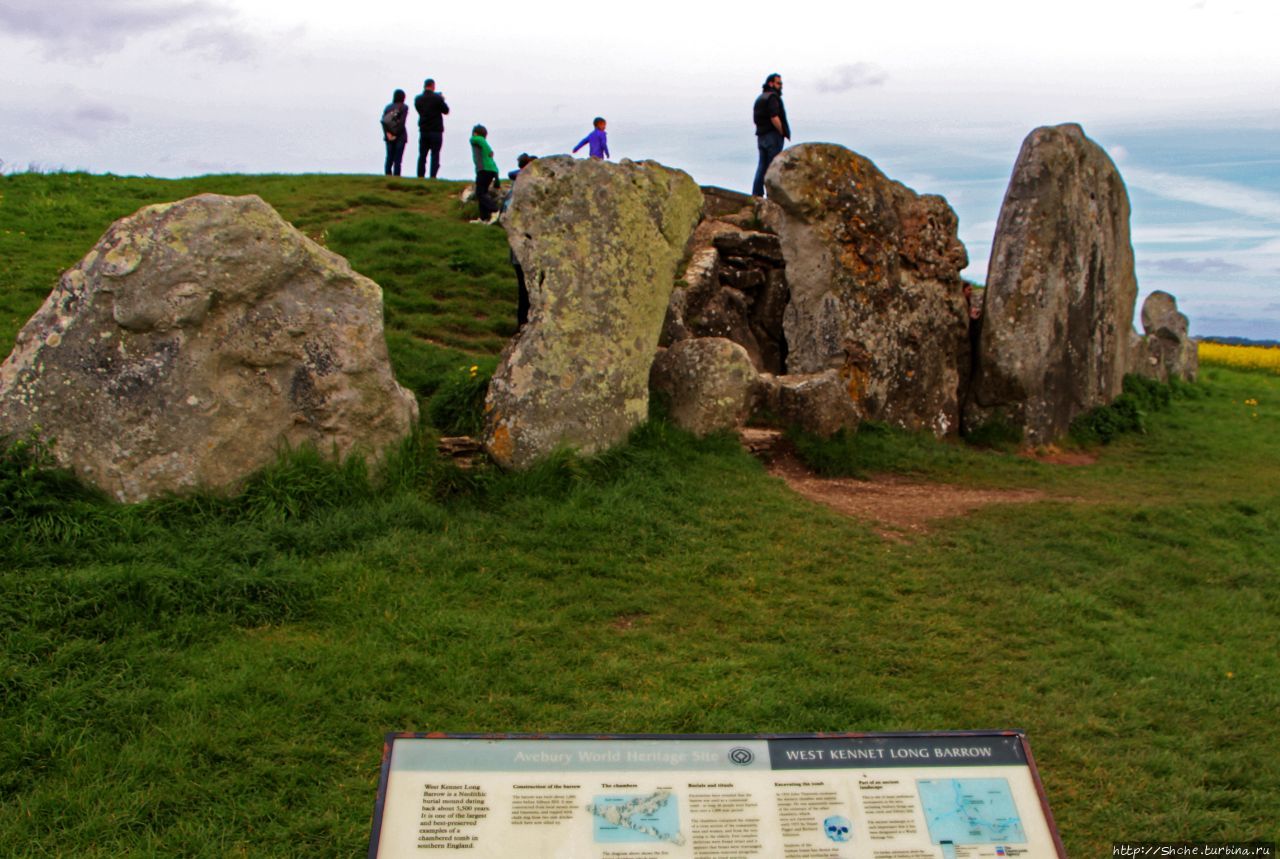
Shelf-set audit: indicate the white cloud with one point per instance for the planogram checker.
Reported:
(1214, 193)
(71, 29)
(852, 76)
(221, 43)
(1192, 234)
(1188, 265)
(99, 114)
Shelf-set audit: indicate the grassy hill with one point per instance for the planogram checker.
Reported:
(213, 676)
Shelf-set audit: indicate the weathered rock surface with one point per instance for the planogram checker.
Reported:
(1166, 352)
(733, 207)
(734, 285)
(1060, 291)
(709, 382)
(815, 402)
(875, 290)
(192, 341)
(599, 243)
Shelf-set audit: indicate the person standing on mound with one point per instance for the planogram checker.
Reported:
(598, 140)
(394, 133)
(486, 174)
(431, 109)
(772, 130)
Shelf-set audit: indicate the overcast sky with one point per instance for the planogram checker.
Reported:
(1181, 93)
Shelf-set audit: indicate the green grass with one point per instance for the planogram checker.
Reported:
(212, 676)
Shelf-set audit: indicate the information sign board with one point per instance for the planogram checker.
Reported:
(953, 795)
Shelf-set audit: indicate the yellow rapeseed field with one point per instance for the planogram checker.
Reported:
(1251, 357)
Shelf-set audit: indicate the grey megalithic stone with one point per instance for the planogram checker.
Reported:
(1057, 323)
(1167, 351)
(192, 342)
(599, 244)
(875, 292)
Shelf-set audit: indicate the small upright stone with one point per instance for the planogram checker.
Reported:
(1167, 352)
(193, 341)
(599, 244)
(1058, 316)
(709, 382)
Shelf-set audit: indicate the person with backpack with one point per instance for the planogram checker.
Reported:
(772, 130)
(431, 109)
(394, 133)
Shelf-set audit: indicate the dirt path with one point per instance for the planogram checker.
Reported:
(896, 506)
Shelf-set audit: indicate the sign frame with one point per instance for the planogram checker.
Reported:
(1017, 735)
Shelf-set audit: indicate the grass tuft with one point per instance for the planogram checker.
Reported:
(997, 433)
(457, 407)
(1128, 412)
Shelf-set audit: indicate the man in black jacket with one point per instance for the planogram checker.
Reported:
(771, 127)
(431, 110)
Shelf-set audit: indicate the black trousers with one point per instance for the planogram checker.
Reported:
(484, 181)
(429, 141)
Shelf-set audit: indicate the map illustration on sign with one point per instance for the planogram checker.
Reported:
(970, 811)
(632, 818)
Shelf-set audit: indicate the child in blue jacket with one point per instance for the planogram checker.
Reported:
(598, 139)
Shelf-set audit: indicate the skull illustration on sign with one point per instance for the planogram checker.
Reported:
(837, 828)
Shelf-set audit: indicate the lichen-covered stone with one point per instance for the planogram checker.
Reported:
(599, 243)
(875, 290)
(709, 383)
(1058, 313)
(193, 341)
(1167, 352)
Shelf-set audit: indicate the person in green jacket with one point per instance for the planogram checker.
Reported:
(486, 175)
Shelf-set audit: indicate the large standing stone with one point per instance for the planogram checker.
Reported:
(875, 290)
(1167, 352)
(599, 244)
(1058, 315)
(192, 341)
